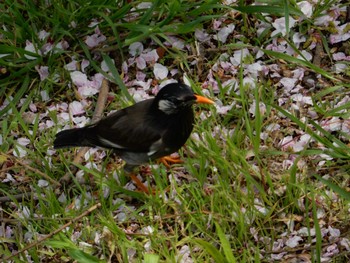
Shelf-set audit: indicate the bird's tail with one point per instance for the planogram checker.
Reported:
(74, 138)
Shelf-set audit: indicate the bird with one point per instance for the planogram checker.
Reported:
(146, 131)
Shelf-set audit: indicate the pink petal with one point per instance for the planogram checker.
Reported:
(293, 241)
(201, 35)
(32, 107)
(306, 8)
(151, 56)
(84, 64)
(140, 63)
(43, 34)
(76, 108)
(140, 76)
(288, 83)
(135, 48)
(71, 66)
(30, 47)
(78, 78)
(224, 33)
(44, 95)
(160, 71)
(43, 72)
(280, 25)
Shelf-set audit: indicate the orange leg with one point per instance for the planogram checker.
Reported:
(168, 160)
(139, 184)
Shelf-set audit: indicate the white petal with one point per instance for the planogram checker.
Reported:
(160, 71)
(135, 48)
(76, 108)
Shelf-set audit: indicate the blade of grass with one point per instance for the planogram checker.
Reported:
(301, 62)
(18, 95)
(225, 244)
(82, 256)
(317, 230)
(336, 188)
(116, 77)
(209, 248)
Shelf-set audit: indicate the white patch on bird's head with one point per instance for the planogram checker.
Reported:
(167, 107)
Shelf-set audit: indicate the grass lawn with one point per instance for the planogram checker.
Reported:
(265, 176)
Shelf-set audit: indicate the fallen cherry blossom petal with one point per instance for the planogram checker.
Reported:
(160, 72)
(224, 33)
(43, 72)
(293, 241)
(135, 49)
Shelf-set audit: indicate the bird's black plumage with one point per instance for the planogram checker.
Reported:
(144, 131)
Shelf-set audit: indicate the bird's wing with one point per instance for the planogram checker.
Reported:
(130, 129)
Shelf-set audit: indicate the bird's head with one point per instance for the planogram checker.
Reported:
(176, 97)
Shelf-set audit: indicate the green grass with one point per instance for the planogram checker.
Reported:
(230, 200)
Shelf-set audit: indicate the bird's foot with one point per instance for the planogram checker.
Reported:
(139, 184)
(169, 160)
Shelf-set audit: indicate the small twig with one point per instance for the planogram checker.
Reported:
(101, 101)
(98, 113)
(318, 54)
(27, 195)
(98, 205)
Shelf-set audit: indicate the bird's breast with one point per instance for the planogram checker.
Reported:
(178, 130)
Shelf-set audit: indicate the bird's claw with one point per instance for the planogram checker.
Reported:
(168, 160)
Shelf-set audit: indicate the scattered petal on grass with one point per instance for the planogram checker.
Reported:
(224, 33)
(302, 99)
(43, 183)
(44, 95)
(288, 83)
(262, 108)
(24, 212)
(147, 230)
(160, 72)
(43, 34)
(76, 108)
(43, 72)
(131, 254)
(86, 88)
(333, 232)
(135, 49)
(31, 48)
(239, 56)
(306, 8)
(151, 56)
(342, 35)
(280, 26)
(140, 63)
(175, 42)
(184, 255)
(20, 148)
(148, 246)
(333, 124)
(345, 242)
(202, 35)
(95, 39)
(340, 56)
(85, 63)
(223, 109)
(105, 67)
(62, 198)
(293, 241)
(71, 66)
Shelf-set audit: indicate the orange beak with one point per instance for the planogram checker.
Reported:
(201, 99)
